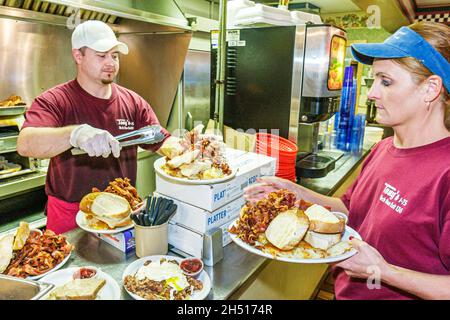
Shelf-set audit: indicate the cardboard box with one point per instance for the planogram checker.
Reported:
(211, 197)
(201, 220)
(124, 241)
(191, 242)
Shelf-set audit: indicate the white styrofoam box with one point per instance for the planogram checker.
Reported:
(233, 8)
(300, 17)
(261, 20)
(265, 12)
(201, 220)
(211, 197)
(124, 241)
(191, 242)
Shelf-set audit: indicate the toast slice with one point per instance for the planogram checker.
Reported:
(6, 251)
(79, 289)
(323, 221)
(287, 229)
(22, 234)
(321, 240)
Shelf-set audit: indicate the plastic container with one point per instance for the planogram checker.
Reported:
(191, 266)
(263, 13)
(300, 17)
(233, 8)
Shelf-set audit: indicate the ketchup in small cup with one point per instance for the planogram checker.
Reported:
(85, 273)
(191, 266)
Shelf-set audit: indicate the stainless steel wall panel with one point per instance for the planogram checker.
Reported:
(154, 64)
(34, 57)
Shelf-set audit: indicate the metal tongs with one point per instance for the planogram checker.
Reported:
(146, 135)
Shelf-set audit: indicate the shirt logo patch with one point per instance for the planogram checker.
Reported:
(125, 124)
(392, 198)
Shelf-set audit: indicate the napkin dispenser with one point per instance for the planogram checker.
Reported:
(212, 247)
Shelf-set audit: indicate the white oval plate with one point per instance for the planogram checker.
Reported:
(82, 223)
(348, 232)
(161, 161)
(134, 267)
(110, 291)
(58, 266)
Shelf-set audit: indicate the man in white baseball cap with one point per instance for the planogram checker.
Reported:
(98, 36)
(85, 113)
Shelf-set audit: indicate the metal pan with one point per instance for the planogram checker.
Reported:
(12, 111)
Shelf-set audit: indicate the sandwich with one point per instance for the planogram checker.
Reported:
(323, 221)
(287, 229)
(104, 210)
(78, 289)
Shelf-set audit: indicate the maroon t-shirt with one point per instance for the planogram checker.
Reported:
(69, 177)
(400, 204)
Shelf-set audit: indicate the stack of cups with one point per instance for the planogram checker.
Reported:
(283, 150)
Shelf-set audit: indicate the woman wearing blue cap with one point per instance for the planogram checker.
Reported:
(400, 203)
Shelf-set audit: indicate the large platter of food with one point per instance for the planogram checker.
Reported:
(33, 254)
(280, 227)
(161, 278)
(82, 283)
(195, 158)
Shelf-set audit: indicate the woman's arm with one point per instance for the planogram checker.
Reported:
(368, 263)
(423, 285)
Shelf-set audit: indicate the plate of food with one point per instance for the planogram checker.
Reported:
(81, 283)
(161, 278)
(281, 228)
(195, 158)
(104, 212)
(33, 254)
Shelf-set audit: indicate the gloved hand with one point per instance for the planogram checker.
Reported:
(95, 142)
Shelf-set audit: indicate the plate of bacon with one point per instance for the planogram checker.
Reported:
(33, 254)
(280, 227)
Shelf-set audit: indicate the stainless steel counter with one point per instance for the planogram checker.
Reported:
(334, 179)
(229, 274)
(226, 276)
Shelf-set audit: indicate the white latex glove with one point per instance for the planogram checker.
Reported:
(96, 142)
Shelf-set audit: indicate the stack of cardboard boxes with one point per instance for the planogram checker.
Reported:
(202, 208)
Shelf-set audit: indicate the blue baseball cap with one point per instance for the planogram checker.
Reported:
(405, 43)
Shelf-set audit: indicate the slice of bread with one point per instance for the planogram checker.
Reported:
(339, 248)
(22, 234)
(6, 251)
(323, 221)
(105, 204)
(287, 229)
(321, 240)
(79, 289)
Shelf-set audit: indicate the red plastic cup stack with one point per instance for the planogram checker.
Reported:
(285, 151)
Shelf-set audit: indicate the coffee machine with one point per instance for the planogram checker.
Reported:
(286, 78)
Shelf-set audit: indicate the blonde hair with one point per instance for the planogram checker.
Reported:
(438, 35)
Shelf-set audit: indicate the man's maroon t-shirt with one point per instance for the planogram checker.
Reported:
(70, 177)
(400, 204)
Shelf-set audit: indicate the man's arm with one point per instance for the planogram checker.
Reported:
(44, 143)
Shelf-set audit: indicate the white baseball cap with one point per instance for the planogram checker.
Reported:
(98, 36)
